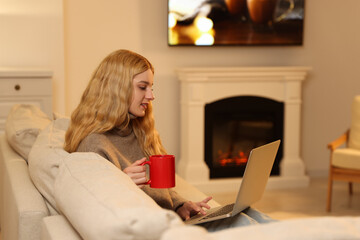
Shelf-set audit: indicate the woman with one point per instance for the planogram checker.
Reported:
(115, 120)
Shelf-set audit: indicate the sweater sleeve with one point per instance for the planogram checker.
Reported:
(177, 199)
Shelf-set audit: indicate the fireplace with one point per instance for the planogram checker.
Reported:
(203, 87)
(236, 125)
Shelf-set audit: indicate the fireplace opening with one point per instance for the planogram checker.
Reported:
(234, 126)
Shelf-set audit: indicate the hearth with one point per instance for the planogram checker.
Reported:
(234, 126)
(200, 87)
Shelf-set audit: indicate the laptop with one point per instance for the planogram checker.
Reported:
(256, 175)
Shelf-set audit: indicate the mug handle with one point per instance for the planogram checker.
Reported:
(282, 16)
(148, 163)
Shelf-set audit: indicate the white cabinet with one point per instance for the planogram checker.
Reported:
(30, 86)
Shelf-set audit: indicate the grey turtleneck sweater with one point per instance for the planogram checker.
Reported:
(122, 149)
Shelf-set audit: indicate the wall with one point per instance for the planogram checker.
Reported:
(32, 36)
(95, 28)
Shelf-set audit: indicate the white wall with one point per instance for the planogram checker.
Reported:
(95, 28)
(31, 35)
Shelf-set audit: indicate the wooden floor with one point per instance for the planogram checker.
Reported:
(305, 202)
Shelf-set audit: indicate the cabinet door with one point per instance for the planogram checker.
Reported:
(26, 87)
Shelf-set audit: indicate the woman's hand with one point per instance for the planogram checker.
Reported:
(137, 173)
(190, 209)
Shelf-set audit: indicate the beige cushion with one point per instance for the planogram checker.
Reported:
(57, 228)
(354, 138)
(102, 202)
(98, 199)
(23, 125)
(346, 158)
(45, 157)
(315, 228)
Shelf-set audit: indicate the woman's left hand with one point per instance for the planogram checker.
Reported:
(190, 209)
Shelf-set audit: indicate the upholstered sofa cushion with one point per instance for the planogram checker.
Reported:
(45, 157)
(102, 202)
(98, 199)
(354, 138)
(22, 127)
(58, 228)
(346, 158)
(314, 228)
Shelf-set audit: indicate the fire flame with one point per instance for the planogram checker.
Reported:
(225, 158)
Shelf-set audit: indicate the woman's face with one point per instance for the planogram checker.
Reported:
(143, 94)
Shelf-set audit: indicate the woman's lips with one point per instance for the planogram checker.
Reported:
(144, 105)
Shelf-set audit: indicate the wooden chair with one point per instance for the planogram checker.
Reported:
(345, 162)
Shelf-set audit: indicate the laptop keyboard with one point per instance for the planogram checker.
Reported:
(221, 211)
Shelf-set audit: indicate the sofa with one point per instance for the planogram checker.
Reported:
(47, 193)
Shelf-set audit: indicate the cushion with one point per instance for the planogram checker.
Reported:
(45, 157)
(23, 125)
(346, 158)
(58, 228)
(98, 199)
(315, 228)
(354, 138)
(102, 202)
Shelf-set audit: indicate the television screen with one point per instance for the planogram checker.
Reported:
(235, 22)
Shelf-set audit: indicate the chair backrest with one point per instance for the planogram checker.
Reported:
(354, 137)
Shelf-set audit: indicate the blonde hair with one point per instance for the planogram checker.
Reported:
(106, 101)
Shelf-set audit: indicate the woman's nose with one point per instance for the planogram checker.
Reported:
(150, 95)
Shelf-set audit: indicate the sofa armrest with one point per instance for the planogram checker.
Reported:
(22, 206)
(188, 191)
(58, 228)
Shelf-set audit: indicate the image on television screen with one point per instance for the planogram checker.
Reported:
(235, 22)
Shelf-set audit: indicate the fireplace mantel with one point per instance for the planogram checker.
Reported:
(200, 86)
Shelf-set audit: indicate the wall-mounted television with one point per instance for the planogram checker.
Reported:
(235, 22)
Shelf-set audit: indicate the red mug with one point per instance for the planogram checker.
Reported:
(162, 171)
